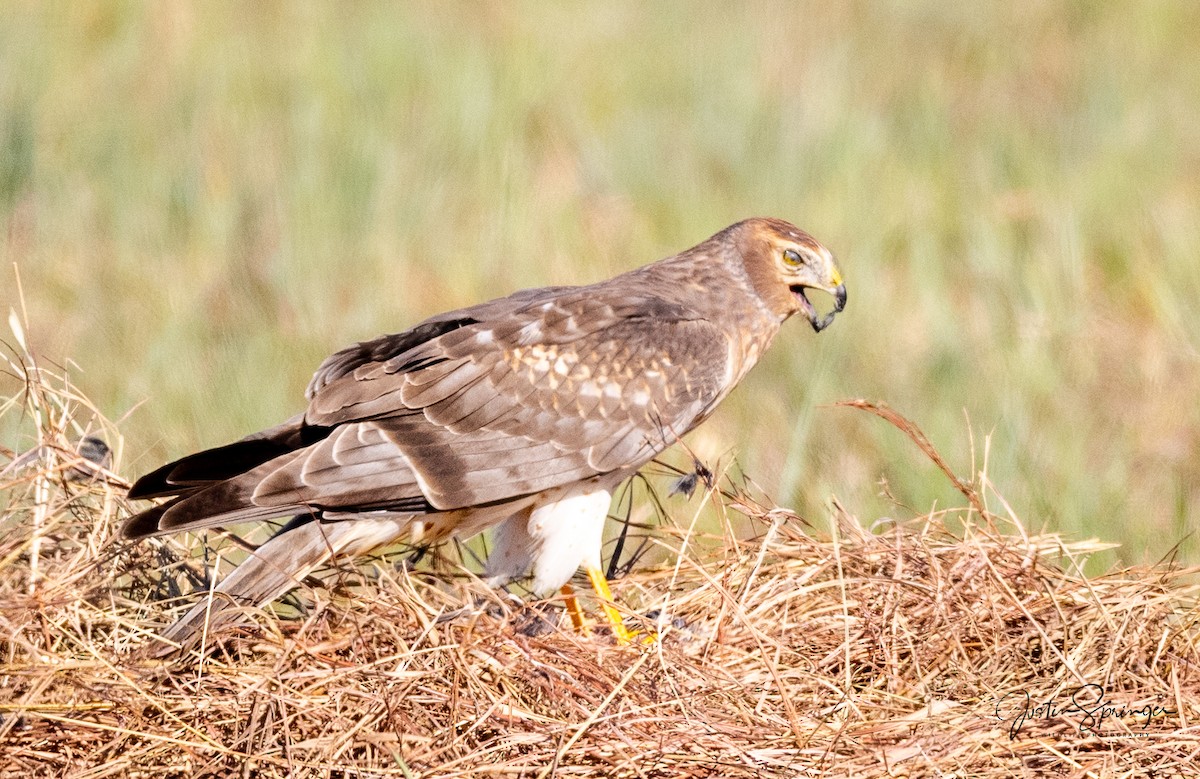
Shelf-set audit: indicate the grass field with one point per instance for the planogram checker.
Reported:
(202, 201)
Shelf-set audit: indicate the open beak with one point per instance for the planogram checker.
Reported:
(817, 321)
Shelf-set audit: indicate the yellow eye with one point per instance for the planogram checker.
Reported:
(792, 258)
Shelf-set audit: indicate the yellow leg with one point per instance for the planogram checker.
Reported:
(574, 610)
(600, 585)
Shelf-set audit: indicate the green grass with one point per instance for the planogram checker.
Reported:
(203, 201)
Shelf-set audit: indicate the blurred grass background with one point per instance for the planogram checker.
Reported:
(203, 200)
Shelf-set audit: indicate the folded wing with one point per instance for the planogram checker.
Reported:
(482, 405)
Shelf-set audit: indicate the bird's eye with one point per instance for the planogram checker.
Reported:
(792, 258)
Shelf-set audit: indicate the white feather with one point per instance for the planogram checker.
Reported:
(551, 540)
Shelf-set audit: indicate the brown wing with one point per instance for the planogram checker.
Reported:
(388, 346)
(486, 404)
(206, 468)
(557, 391)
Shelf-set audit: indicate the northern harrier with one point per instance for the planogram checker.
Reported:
(523, 414)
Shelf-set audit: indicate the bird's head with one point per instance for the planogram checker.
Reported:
(783, 262)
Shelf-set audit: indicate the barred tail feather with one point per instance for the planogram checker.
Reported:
(278, 566)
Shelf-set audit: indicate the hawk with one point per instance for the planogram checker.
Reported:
(521, 414)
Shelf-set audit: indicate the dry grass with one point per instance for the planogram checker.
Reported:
(886, 651)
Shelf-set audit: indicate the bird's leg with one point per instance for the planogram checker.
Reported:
(574, 610)
(600, 585)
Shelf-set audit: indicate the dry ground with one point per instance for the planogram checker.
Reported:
(905, 649)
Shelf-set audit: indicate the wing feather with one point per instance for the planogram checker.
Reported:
(566, 389)
(483, 405)
(357, 460)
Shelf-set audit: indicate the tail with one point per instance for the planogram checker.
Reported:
(278, 566)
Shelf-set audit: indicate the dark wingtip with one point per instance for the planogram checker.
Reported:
(211, 466)
(154, 484)
(146, 523)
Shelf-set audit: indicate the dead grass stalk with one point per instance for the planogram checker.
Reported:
(901, 649)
